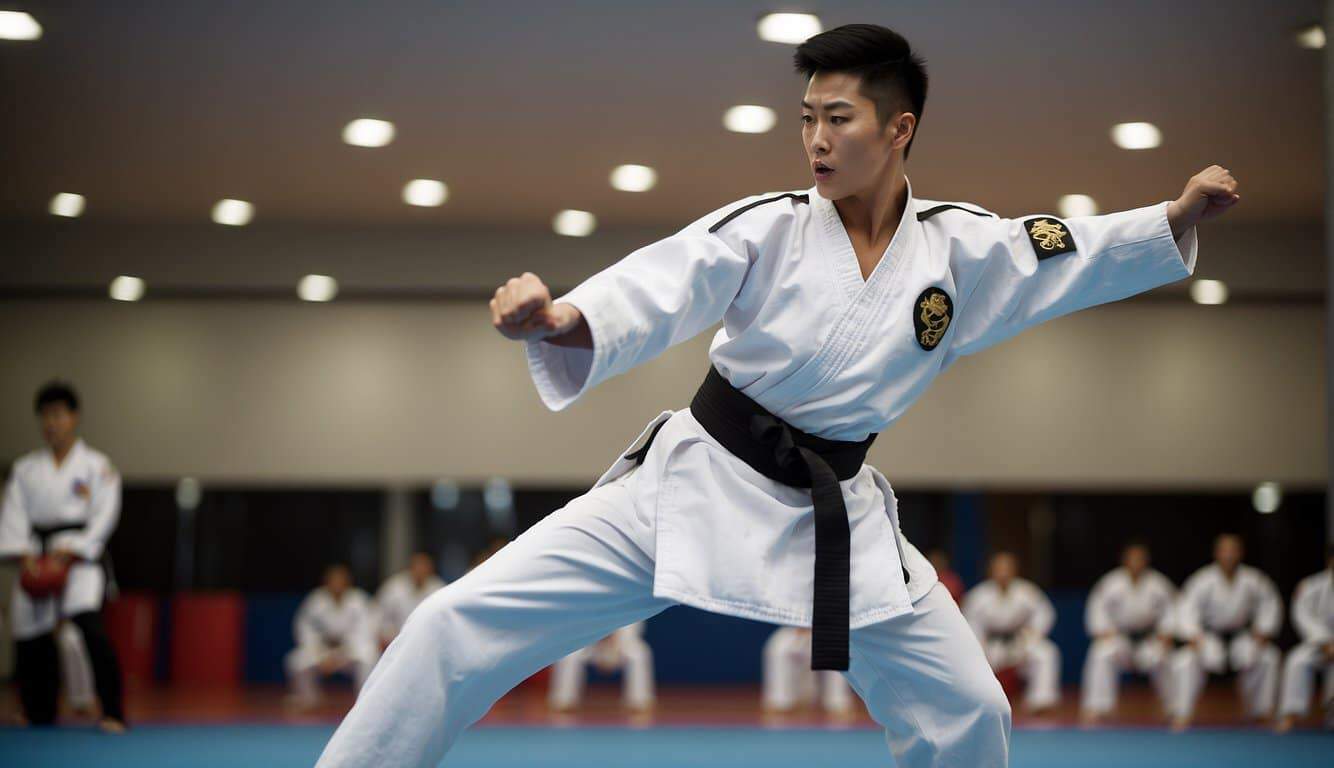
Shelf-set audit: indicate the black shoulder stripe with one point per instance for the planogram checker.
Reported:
(799, 198)
(929, 212)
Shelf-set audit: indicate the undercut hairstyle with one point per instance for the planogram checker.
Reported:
(56, 392)
(891, 75)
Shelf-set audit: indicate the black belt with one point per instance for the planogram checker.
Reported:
(45, 534)
(789, 456)
(1005, 638)
(1137, 636)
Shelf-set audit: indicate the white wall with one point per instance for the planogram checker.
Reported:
(1145, 393)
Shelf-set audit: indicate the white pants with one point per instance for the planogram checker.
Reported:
(789, 679)
(1108, 658)
(1039, 663)
(586, 570)
(631, 656)
(1257, 673)
(1299, 677)
(76, 672)
(84, 588)
(303, 668)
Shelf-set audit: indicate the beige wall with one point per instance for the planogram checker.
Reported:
(1138, 394)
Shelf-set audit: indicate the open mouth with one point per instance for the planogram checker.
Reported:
(821, 170)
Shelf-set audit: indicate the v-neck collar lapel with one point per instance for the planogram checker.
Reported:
(69, 457)
(839, 248)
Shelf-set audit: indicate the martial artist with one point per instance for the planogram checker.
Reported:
(839, 305)
(60, 509)
(76, 671)
(1313, 615)
(788, 679)
(1128, 616)
(402, 593)
(624, 651)
(1228, 616)
(1012, 617)
(335, 632)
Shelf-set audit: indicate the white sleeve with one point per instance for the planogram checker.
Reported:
(1269, 612)
(1304, 603)
(973, 612)
(656, 297)
(15, 530)
(1188, 608)
(303, 626)
(1097, 619)
(104, 503)
(1167, 619)
(1044, 615)
(1004, 286)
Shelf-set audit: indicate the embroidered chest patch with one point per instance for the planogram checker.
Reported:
(1050, 237)
(931, 317)
(81, 490)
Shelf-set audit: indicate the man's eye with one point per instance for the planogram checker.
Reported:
(808, 119)
(838, 119)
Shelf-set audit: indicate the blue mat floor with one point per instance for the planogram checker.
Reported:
(502, 747)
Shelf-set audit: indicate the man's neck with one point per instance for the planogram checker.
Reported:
(60, 451)
(875, 214)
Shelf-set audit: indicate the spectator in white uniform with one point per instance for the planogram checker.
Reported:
(789, 680)
(1228, 616)
(403, 592)
(1128, 616)
(60, 508)
(623, 650)
(335, 633)
(1313, 615)
(1012, 617)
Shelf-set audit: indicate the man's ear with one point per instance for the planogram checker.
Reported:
(902, 128)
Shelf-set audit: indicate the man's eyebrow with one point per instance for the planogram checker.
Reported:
(835, 104)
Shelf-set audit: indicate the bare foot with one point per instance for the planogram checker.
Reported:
(1180, 724)
(111, 725)
(1089, 719)
(1285, 724)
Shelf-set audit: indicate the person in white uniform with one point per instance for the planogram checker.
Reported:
(1128, 616)
(839, 305)
(76, 671)
(1228, 617)
(624, 651)
(335, 632)
(1012, 617)
(789, 680)
(63, 503)
(1313, 615)
(400, 595)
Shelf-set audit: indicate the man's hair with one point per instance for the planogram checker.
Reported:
(56, 392)
(1135, 544)
(892, 75)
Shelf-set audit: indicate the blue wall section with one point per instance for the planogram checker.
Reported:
(268, 635)
(1068, 634)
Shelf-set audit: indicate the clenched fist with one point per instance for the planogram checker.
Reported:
(522, 310)
(1208, 194)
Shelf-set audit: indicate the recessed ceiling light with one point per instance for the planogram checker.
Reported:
(1267, 497)
(67, 204)
(792, 28)
(633, 178)
(17, 25)
(317, 288)
(574, 223)
(1136, 135)
(749, 118)
(1312, 37)
(233, 213)
(126, 288)
(366, 132)
(1208, 291)
(427, 193)
(1077, 205)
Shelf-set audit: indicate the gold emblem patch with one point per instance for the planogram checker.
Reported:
(1050, 237)
(931, 317)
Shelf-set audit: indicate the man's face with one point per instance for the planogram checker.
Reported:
(337, 580)
(846, 147)
(420, 568)
(58, 424)
(1004, 569)
(1135, 560)
(1227, 552)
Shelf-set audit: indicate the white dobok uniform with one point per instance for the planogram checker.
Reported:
(397, 599)
(1013, 625)
(83, 491)
(1138, 614)
(324, 627)
(1223, 614)
(833, 354)
(1313, 615)
(76, 671)
(623, 650)
(789, 679)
